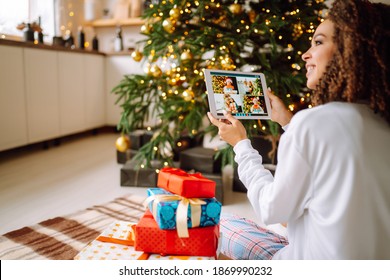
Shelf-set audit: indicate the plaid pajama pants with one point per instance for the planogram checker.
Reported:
(243, 239)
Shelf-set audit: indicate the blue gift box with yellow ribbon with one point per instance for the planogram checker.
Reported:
(172, 211)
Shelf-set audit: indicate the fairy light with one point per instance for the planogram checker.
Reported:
(263, 128)
(155, 149)
(142, 166)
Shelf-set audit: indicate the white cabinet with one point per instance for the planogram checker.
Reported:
(71, 92)
(46, 94)
(95, 111)
(116, 68)
(13, 118)
(41, 70)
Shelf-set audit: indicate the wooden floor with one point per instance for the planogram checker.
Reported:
(37, 184)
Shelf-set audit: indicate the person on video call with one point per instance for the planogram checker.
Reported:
(256, 108)
(331, 185)
(229, 87)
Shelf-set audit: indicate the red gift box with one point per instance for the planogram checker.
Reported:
(179, 182)
(149, 238)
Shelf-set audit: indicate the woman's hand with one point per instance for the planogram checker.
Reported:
(231, 130)
(279, 112)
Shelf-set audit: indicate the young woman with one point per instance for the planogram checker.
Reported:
(332, 182)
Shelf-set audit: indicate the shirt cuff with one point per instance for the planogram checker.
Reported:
(242, 145)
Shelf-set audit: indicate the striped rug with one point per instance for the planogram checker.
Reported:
(61, 238)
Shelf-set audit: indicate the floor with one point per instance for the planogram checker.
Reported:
(37, 183)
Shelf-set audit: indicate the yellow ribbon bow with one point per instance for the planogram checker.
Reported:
(181, 212)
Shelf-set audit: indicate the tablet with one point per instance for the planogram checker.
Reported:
(240, 93)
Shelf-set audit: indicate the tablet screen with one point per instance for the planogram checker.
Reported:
(242, 94)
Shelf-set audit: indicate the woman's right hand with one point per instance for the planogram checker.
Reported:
(279, 112)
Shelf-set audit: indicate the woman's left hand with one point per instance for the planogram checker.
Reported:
(231, 130)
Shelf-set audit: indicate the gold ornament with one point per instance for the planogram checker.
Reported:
(252, 16)
(137, 55)
(188, 94)
(187, 55)
(122, 144)
(174, 13)
(155, 71)
(235, 8)
(146, 28)
(297, 30)
(228, 63)
(169, 25)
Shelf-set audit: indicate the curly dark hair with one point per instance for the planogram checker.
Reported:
(359, 68)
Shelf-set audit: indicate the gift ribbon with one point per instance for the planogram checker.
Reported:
(182, 210)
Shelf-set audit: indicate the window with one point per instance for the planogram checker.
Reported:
(15, 12)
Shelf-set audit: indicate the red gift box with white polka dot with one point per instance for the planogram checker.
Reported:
(149, 238)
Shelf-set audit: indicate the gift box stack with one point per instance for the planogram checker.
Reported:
(181, 222)
(182, 216)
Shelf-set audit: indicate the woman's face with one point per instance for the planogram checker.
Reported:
(320, 53)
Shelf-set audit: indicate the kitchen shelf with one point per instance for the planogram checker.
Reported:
(115, 22)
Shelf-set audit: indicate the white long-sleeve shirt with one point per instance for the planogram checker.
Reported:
(331, 185)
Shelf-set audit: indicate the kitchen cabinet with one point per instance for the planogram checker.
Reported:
(41, 78)
(116, 67)
(13, 117)
(95, 111)
(71, 89)
(47, 93)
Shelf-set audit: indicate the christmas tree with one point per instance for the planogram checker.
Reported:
(185, 37)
